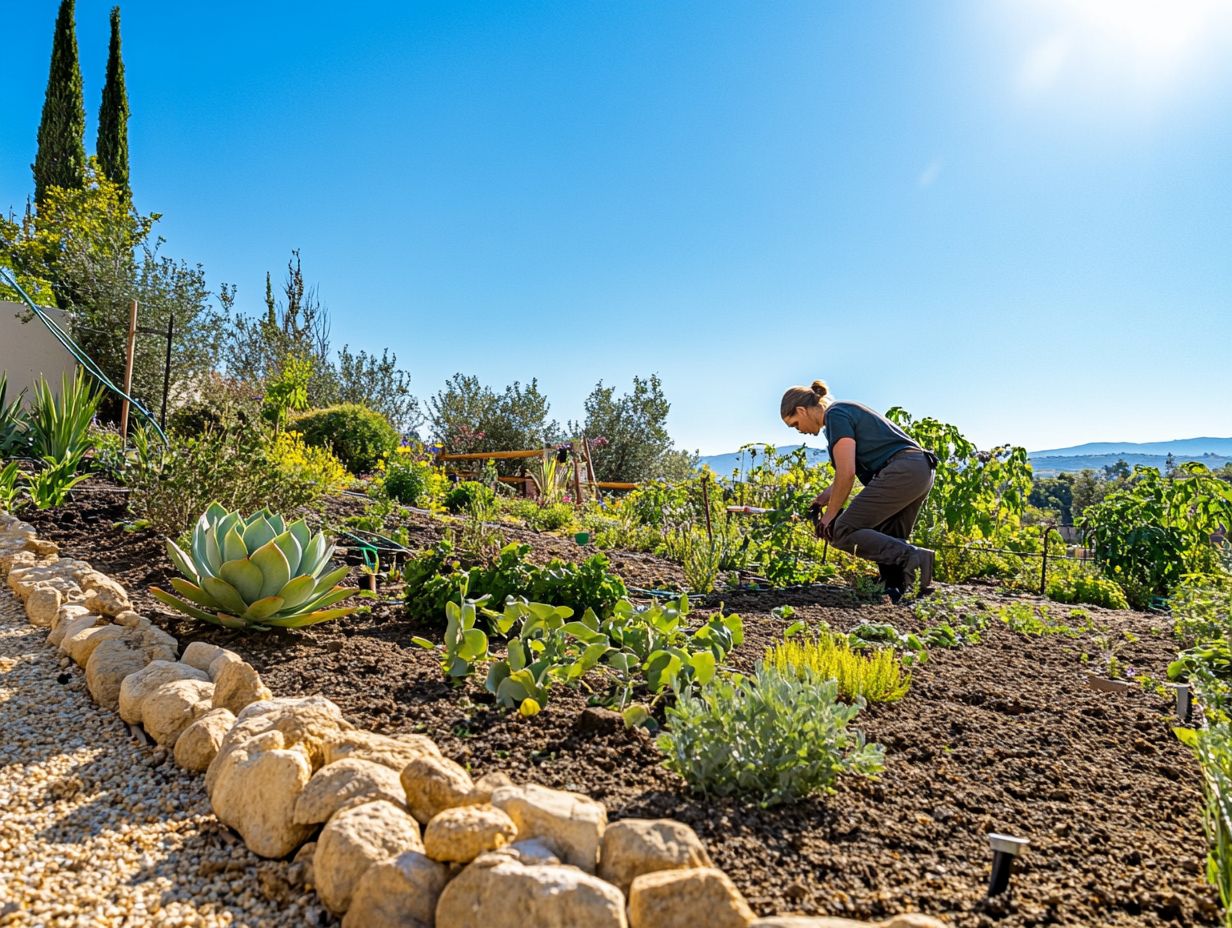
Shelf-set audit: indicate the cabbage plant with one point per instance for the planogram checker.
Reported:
(255, 572)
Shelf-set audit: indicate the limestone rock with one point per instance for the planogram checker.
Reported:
(497, 891)
(201, 654)
(198, 743)
(69, 612)
(531, 851)
(392, 752)
(308, 720)
(129, 619)
(459, 835)
(433, 784)
(136, 687)
(401, 892)
(573, 822)
(635, 846)
(109, 664)
(172, 707)
(158, 645)
(69, 627)
(42, 605)
(345, 783)
(353, 841)
(226, 657)
(486, 785)
(685, 898)
(80, 645)
(237, 686)
(256, 785)
(103, 594)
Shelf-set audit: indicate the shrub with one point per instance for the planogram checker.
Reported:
(779, 737)
(308, 463)
(359, 436)
(412, 482)
(1085, 587)
(550, 518)
(238, 467)
(875, 677)
(468, 495)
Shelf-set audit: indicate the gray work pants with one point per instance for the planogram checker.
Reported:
(879, 520)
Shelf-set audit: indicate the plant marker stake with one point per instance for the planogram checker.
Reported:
(1004, 849)
(1183, 706)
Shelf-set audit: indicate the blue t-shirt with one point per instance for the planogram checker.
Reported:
(877, 438)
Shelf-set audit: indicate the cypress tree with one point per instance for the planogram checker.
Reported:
(61, 157)
(112, 148)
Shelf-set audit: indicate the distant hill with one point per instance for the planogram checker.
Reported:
(1096, 455)
(724, 464)
(1052, 464)
(1213, 452)
(1187, 448)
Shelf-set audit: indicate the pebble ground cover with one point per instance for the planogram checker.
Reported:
(1003, 735)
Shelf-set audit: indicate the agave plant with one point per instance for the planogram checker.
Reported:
(255, 572)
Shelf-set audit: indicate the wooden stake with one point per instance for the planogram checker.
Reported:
(128, 370)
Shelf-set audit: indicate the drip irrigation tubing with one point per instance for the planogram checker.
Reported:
(78, 353)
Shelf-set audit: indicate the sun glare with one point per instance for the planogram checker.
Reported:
(1148, 43)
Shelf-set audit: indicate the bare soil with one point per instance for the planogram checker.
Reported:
(1002, 736)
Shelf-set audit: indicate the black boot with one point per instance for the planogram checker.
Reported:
(892, 580)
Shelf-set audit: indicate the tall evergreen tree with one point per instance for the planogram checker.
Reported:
(112, 148)
(61, 157)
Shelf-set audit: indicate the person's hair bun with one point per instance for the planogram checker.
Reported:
(820, 388)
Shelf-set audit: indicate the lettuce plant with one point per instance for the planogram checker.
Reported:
(258, 571)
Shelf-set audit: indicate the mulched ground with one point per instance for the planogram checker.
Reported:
(1003, 736)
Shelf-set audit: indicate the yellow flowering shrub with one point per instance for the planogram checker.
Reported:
(306, 462)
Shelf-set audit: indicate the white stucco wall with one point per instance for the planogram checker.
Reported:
(28, 350)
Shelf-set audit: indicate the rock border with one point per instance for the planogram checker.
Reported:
(388, 831)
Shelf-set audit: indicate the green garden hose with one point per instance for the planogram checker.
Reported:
(79, 354)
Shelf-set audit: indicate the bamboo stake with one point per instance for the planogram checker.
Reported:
(128, 370)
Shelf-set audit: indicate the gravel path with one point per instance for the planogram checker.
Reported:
(98, 828)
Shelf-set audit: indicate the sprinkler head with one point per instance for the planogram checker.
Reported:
(1004, 849)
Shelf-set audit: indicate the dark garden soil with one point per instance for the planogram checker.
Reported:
(1002, 736)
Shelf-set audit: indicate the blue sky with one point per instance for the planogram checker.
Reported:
(1013, 216)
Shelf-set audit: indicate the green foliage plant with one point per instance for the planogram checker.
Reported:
(359, 436)
(10, 486)
(1149, 535)
(638, 647)
(1083, 586)
(60, 423)
(876, 677)
(237, 466)
(1212, 746)
(463, 497)
(49, 487)
(1035, 621)
(255, 572)
(288, 389)
(779, 737)
(14, 428)
(411, 480)
(436, 577)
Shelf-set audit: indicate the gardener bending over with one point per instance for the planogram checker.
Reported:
(897, 475)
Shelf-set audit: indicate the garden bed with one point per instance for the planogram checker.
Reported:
(1001, 736)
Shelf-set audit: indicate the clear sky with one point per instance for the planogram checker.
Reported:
(1015, 216)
